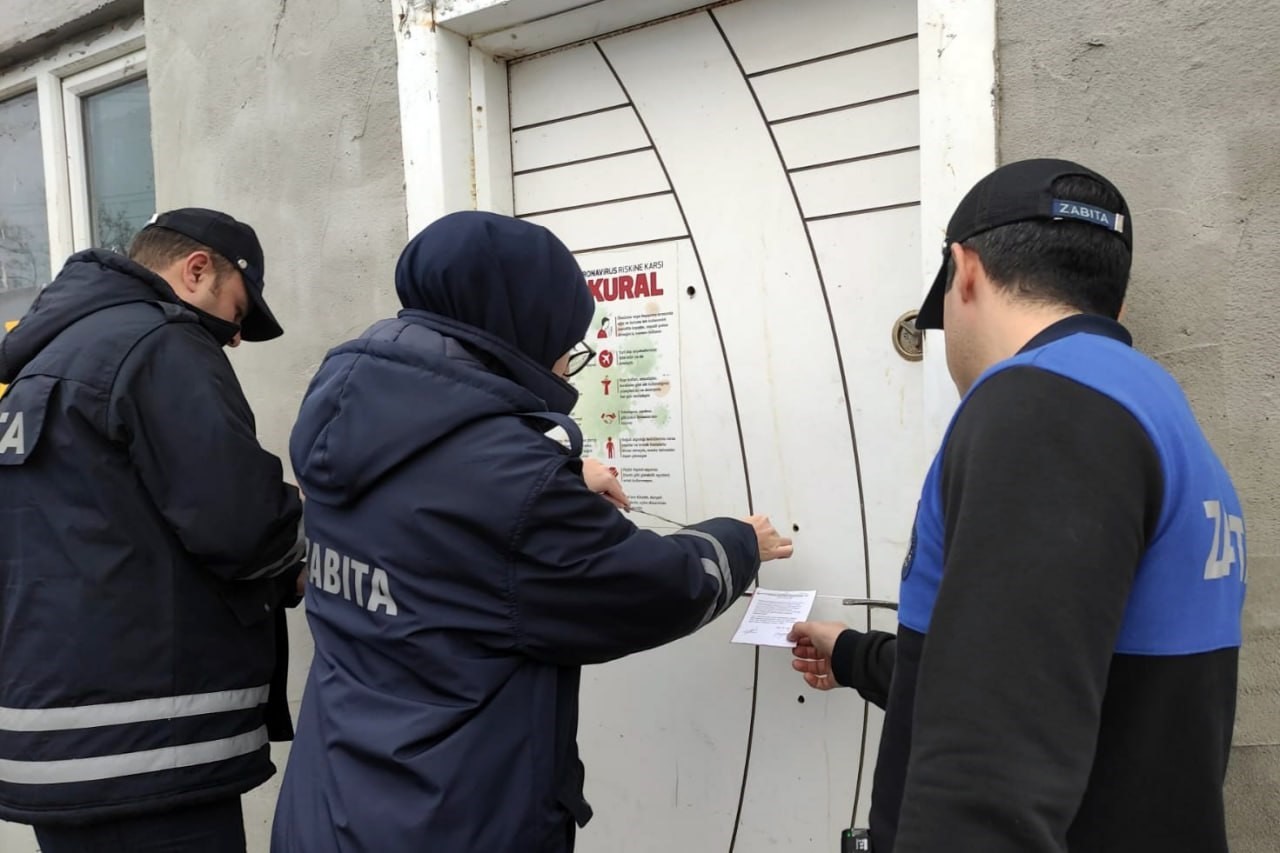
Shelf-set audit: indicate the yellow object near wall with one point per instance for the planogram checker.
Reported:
(8, 327)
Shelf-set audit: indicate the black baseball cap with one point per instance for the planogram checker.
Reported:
(1020, 192)
(236, 242)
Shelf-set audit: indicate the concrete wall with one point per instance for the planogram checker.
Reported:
(1179, 103)
(287, 115)
(32, 27)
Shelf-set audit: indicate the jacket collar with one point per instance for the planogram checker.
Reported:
(1089, 324)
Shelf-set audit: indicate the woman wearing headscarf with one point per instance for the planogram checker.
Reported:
(463, 565)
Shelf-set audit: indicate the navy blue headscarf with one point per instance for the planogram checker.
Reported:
(508, 287)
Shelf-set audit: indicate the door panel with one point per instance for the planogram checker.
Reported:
(772, 150)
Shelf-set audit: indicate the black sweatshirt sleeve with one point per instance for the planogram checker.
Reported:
(1049, 491)
(864, 661)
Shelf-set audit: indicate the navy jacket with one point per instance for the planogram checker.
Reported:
(460, 575)
(146, 539)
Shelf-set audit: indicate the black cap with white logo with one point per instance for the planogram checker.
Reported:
(1020, 192)
(236, 242)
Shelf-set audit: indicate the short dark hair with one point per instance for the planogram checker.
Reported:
(156, 248)
(1060, 262)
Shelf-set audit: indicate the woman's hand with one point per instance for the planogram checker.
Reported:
(773, 545)
(601, 481)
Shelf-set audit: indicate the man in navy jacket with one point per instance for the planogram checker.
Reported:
(147, 541)
(461, 568)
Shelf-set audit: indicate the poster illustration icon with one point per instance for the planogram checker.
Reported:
(605, 358)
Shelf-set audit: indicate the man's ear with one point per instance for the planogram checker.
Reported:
(197, 271)
(968, 272)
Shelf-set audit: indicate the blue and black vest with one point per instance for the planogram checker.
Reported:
(1189, 588)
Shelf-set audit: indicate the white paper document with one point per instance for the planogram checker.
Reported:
(771, 614)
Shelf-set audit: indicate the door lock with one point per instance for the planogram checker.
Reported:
(907, 339)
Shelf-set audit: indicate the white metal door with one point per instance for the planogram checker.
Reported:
(769, 152)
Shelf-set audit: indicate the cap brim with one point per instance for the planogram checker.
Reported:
(930, 316)
(260, 324)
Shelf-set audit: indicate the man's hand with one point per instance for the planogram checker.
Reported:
(773, 545)
(601, 481)
(815, 642)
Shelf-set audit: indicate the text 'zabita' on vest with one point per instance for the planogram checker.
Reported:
(356, 581)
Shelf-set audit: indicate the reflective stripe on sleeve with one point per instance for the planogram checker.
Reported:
(130, 763)
(136, 711)
(721, 569)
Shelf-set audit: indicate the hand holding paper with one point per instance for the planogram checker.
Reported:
(771, 615)
(815, 643)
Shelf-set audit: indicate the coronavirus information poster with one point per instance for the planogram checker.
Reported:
(629, 408)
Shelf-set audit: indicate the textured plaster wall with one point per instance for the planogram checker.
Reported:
(286, 114)
(1178, 102)
(32, 27)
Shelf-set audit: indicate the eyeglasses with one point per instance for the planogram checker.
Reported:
(580, 357)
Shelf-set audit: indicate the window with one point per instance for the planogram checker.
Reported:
(107, 117)
(75, 158)
(24, 216)
(120, 181)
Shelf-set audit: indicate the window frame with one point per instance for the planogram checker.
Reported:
(123, 69)
(62, 79)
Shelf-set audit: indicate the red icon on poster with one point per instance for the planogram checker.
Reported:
(605, 358)
(608, 417)
(606, 382)
(609, 447)
(614, 472)
(605, 326)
